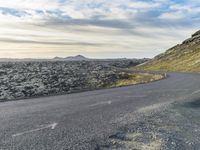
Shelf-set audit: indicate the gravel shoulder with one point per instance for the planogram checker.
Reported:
(166, 126)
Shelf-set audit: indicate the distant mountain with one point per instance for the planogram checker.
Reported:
(72, 58)
(58, 57)
(182, 57)
(76, 58)
(114, 61)
(22, 59)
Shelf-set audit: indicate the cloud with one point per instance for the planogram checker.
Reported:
(7, 40)
(30, 4)
(96, 27)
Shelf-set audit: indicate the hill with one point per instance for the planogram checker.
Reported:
(72, 58)
(76, 58)
(184, 57)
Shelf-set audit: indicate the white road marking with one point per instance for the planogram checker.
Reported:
(101, 103)
(109, 102)
(52, 126)
(195, 92)
(132, 96)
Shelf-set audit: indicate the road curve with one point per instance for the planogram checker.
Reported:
(83, 120)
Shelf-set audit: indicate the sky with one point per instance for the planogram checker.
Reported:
(94, 28)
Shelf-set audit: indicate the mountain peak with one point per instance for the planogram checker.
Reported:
(80, 56)
(72, 58)
(57, 57)
(77, 57)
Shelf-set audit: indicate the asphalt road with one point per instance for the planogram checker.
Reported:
(83, 120)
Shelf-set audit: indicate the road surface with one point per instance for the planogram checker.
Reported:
(83, 120)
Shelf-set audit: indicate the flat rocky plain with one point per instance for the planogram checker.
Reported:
(27, 79)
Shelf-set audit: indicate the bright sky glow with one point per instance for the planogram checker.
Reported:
(94, 28)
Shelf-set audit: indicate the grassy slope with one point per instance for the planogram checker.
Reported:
(184, 57)
(136, 78)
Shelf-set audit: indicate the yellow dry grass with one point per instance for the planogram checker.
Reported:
(136, 78)
(186, 62)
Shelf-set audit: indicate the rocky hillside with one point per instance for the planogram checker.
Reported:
(183, 57)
